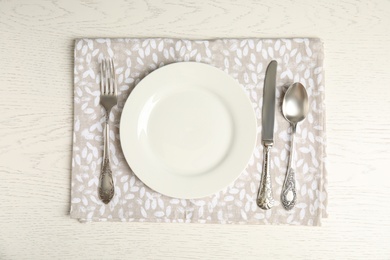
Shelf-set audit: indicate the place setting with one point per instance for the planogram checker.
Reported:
(228, 131)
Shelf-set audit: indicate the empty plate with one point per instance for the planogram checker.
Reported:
(188, 130)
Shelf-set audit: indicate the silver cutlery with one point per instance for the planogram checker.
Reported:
(108, 99)
(265, 198)
(295, 108)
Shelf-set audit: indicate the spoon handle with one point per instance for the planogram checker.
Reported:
(289, 193)
(265, 198)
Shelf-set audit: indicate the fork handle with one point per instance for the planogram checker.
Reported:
(106, 182)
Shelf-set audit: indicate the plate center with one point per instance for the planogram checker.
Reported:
(189, 131)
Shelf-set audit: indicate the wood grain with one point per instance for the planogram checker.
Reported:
(36, 90)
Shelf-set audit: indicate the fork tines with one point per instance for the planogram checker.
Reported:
(107, 80)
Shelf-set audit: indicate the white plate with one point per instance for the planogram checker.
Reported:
(188, 130)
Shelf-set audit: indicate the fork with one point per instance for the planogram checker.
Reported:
(108, 99)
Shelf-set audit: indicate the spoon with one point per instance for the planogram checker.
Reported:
(295, 108)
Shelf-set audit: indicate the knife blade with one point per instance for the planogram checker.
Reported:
(268, 113)
(265, 197)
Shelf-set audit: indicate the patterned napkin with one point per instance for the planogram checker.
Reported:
(299, 59)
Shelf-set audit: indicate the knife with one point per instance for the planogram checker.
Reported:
(265, 198)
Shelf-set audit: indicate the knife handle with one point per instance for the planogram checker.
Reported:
(265, 198)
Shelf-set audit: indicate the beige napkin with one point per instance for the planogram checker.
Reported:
(299, 59)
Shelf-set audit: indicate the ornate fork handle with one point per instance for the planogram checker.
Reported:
(106, 182)
(265, 198)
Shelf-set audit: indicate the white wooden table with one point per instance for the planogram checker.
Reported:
(36, 95)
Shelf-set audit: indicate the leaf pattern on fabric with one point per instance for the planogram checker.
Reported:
(299, 59)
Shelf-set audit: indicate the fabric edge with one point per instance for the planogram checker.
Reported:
(71, 213)
(324, 177)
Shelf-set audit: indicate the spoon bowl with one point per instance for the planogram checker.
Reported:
(295, 109)
(295, 103)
